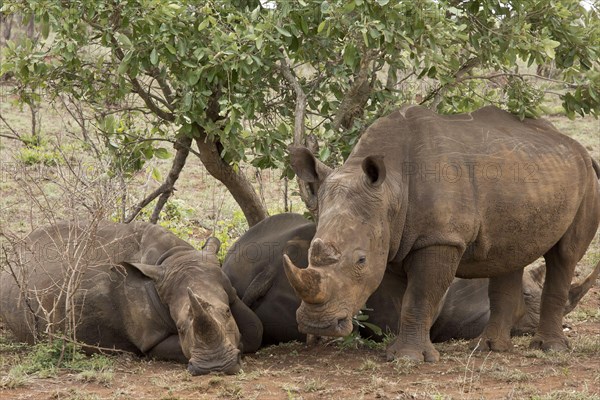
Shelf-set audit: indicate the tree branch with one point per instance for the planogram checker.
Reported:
(300, 109)
(436, 94)
(357, 96)
(137, 88)
(511, 74)
(166, 189)
(15, 133)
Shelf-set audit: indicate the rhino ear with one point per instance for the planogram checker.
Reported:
(212, 245)
(374, 169)
(306, 166)
(154, 272)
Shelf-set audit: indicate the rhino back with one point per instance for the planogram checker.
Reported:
(494, 173)
(259, 248)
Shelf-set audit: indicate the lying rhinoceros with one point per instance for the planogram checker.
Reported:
(254, 265)
(431, 197)
(134, 287)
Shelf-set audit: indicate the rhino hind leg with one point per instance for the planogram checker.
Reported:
(506, 306)
(559, 272)
(561, 261)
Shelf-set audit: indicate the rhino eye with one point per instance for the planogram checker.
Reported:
(361, 260)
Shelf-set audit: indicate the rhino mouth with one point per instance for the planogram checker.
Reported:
(203, 367)
(339, 326)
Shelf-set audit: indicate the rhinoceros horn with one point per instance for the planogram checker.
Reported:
(306, 282)
(205, 326)
(322, 253)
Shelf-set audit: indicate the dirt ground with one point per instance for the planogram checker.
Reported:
(298, 371)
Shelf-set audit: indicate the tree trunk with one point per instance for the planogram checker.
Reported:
(237, 184)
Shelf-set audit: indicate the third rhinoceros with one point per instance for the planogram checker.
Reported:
(431, 197)
(134, 287)
(254, 265)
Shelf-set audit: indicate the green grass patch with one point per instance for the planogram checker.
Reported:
(47, 359)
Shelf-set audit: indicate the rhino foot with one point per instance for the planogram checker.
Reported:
(486, 344)
(427, 353)
(556, 343)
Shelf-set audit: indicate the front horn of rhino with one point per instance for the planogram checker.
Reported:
(206, 328)
(308, 283)
(208, 331)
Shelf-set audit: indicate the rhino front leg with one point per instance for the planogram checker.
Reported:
(169, 349)
(249, 325)
(506, 306)
(429, 273)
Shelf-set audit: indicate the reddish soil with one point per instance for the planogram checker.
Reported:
(296, 371)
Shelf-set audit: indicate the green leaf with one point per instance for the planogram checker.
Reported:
(321, 26)
(283, 32)
(549, 46)
(123, 67)
(383, 2)
(324, 153)
(350, 55)
(203, 24)
(124, 41)
(162, 153)
(156, 175)
(194, 77)
(45, 25)
(376, 330)
(154, 57)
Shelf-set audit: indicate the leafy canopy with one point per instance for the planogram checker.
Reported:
(175, 63)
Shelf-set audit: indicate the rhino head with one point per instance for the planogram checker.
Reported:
(198, 296)
(349, 252)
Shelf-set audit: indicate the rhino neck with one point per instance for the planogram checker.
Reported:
(188, 268)
(168, 290)
(174, 253)
(160, 308)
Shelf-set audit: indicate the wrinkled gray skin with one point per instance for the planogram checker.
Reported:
(142, 290)
(431, 197)
(254, 266)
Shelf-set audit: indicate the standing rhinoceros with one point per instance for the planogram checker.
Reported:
(134, 287)
(254, 265)
(432, 197)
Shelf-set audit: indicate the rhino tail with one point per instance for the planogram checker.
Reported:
(578, 290)
(260, 285)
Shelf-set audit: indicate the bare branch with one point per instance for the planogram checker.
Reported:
(436, 94)
(137, 88)
(511, 74)
(15, 133)
(300, 111)
(166, 189)
(357, 96)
